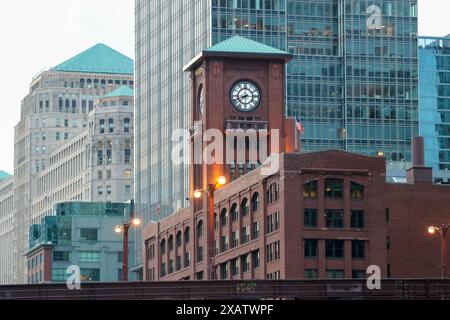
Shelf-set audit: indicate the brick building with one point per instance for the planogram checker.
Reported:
(328, 214)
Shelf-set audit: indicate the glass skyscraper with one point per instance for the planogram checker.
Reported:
(353, 81)
(434, 91)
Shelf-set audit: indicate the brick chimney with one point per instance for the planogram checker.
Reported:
(418, 173)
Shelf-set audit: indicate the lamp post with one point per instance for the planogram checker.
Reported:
(210, 191)
(125, 228)
(443, 233)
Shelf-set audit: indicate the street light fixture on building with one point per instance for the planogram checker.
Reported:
(443, 233)
(124, 228)
(212, 188)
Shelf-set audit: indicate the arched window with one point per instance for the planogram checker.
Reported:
(200, 229)
(334, 188)
(163, 246)
(310, 190)
(356, 190)
(171, 243)
(234, 213)
(224, 218)
(244, 207)
(255, 202)
(187, 235)
(179, 239)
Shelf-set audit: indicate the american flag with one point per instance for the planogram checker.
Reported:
(300, 126)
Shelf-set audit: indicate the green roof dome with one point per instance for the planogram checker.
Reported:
(123, 91)
(4, 175)
(98, 59)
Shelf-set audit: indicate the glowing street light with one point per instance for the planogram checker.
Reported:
(443, 232)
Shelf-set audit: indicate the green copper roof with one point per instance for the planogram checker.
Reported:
(98, 59)
(123, 91)
(240, 44)
(239, 47)
(4, 175)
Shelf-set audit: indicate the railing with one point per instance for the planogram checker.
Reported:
(391, 289)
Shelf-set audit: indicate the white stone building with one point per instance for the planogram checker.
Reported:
(7, 247)
(54, 115)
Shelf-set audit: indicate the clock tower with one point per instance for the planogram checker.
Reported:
(238, 99)
(238, 85)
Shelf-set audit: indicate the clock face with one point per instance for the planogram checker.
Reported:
(245, 96)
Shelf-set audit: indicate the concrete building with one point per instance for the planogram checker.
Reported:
(97, 164)
(7, 246)
(80, 234)
(56, 110)
(434, 91)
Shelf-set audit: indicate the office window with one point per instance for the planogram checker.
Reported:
(66, 136)
(199, 254)
(358, 274)
(245, 263)
(163, 247)
(171, 244)
(90, 275)
(310, 190)
(310, 218)
(335, 218)
(89, 256)
(179, 263)
(187, 235)
(245, 235)
(163, 270)
(311, 274)
(234, 213)
(111, 125)
(234, 239)
(108, 174)
(59, 275)
(120, 255)
(311, 248)
(127, 189)
(89, 234)
(58, 136)
(102, 126)
(108, 190)
(61, 256)
(100, 191)
(255, 202)
(334, 188)
(224, 218)
(224, 243)
(335, 274)
(256, 230)
(187, 259)
(245, 208)
(100, 175)
(356, 191)
(126, 125)
(224, 271)
(234, 267)
(255, 259)
(200, 229)
(357, 220)
(358, 248)
(334, 249)
(179, 239)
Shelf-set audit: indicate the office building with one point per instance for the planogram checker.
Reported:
(434, 91)
(353, 80)
(82, 235)
(7, 246)
(55, 111)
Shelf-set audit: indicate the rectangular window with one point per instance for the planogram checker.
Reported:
(245, 263)
(334, 188)
(245, 235)
(334, 249)
(311, 274)
(61, 256)
(234, 239)
(335, 274)
(89, 234)
(90, 275)
(59, 275)
(89, 256)
(310, 218)
(126, 125)
(335, 218)
(358, 274)
(255, 233)
(255, 259)
(234, 267)
(311, 248)
(357, 221)
(358, 249)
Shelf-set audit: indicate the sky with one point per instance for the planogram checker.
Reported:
(38, 34)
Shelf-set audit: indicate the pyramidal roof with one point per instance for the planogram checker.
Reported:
(123, 91)
(4, 175)
(238, 44)
(98, 59)
(239, 47)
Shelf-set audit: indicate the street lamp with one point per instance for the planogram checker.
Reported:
(212, 188)
(443, 232)
(124, 228)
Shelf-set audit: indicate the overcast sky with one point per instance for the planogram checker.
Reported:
(38, 34)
